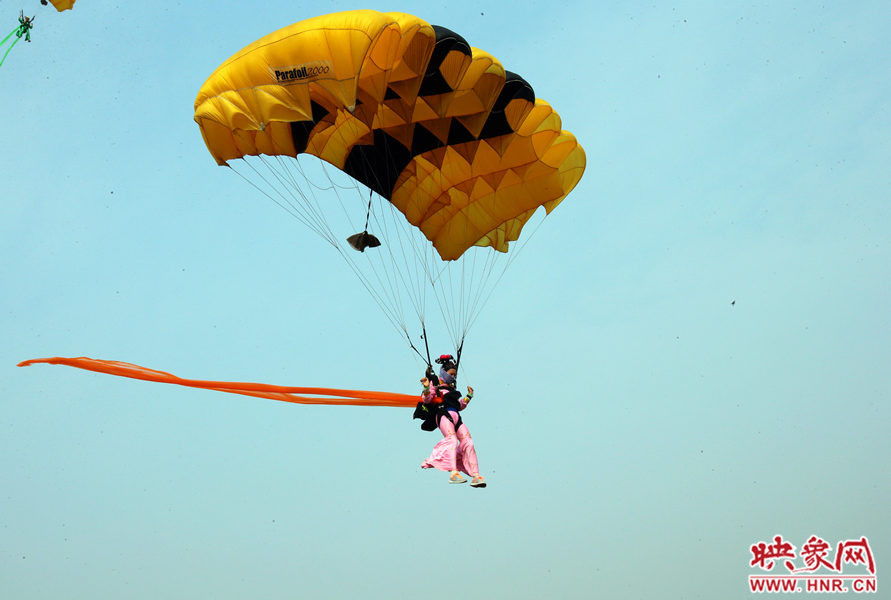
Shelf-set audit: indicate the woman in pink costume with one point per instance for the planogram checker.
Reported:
(455, 451)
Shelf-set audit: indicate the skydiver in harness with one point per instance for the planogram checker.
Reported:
(22, 29)
(25, 26)
(440, 405)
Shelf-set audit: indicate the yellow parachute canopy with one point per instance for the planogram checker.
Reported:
(61, 4)
(460, 146)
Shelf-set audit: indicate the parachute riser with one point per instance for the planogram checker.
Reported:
(458, 353)
(368, 212)
(361, 241)
(426, 345)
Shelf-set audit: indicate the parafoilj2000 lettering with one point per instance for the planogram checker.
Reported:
(298, 72)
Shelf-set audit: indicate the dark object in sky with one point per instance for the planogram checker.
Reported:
(360, 241)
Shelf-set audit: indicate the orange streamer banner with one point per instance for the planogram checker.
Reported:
(298, 395)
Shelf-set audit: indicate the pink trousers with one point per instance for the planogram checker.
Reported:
(455, 451)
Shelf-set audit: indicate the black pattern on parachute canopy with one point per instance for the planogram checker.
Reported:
(446, 41)
(514, 87)
(300, 130)
(423, 141)
(458, 134)
(378, 165)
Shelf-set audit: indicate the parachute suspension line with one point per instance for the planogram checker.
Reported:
(292, 198)
(451, 299)
(380, 270)
(403, 253)
(464, 283)
(458, 302)
(528, 237)
(386, 278)
(404, 261)
(389, 270)
(285, 206)
(386, 260)
(470, 256)
(410, 240)
(510, 261)
(300, 181)
(439, 293)
(317, 224)
(486, 286)
(445, 299)
(354, 188)
(389, 299)
(386, 292)
(291, 169)
(479, 273)
(429, 262)
(468, 304)
(390, 310)
(463, 297)
(334, 184)
(394, 275)
(291, 205)
(308, 203)
(410, 343)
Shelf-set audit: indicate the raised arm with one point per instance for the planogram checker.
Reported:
(466, 399)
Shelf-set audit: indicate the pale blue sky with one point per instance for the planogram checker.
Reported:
(639, 431)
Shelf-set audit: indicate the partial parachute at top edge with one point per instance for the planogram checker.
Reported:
(60, 5)
(456, 143)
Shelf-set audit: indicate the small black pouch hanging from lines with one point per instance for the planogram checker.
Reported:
(362, 240)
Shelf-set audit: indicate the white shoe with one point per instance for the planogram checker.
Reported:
(457, 478)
